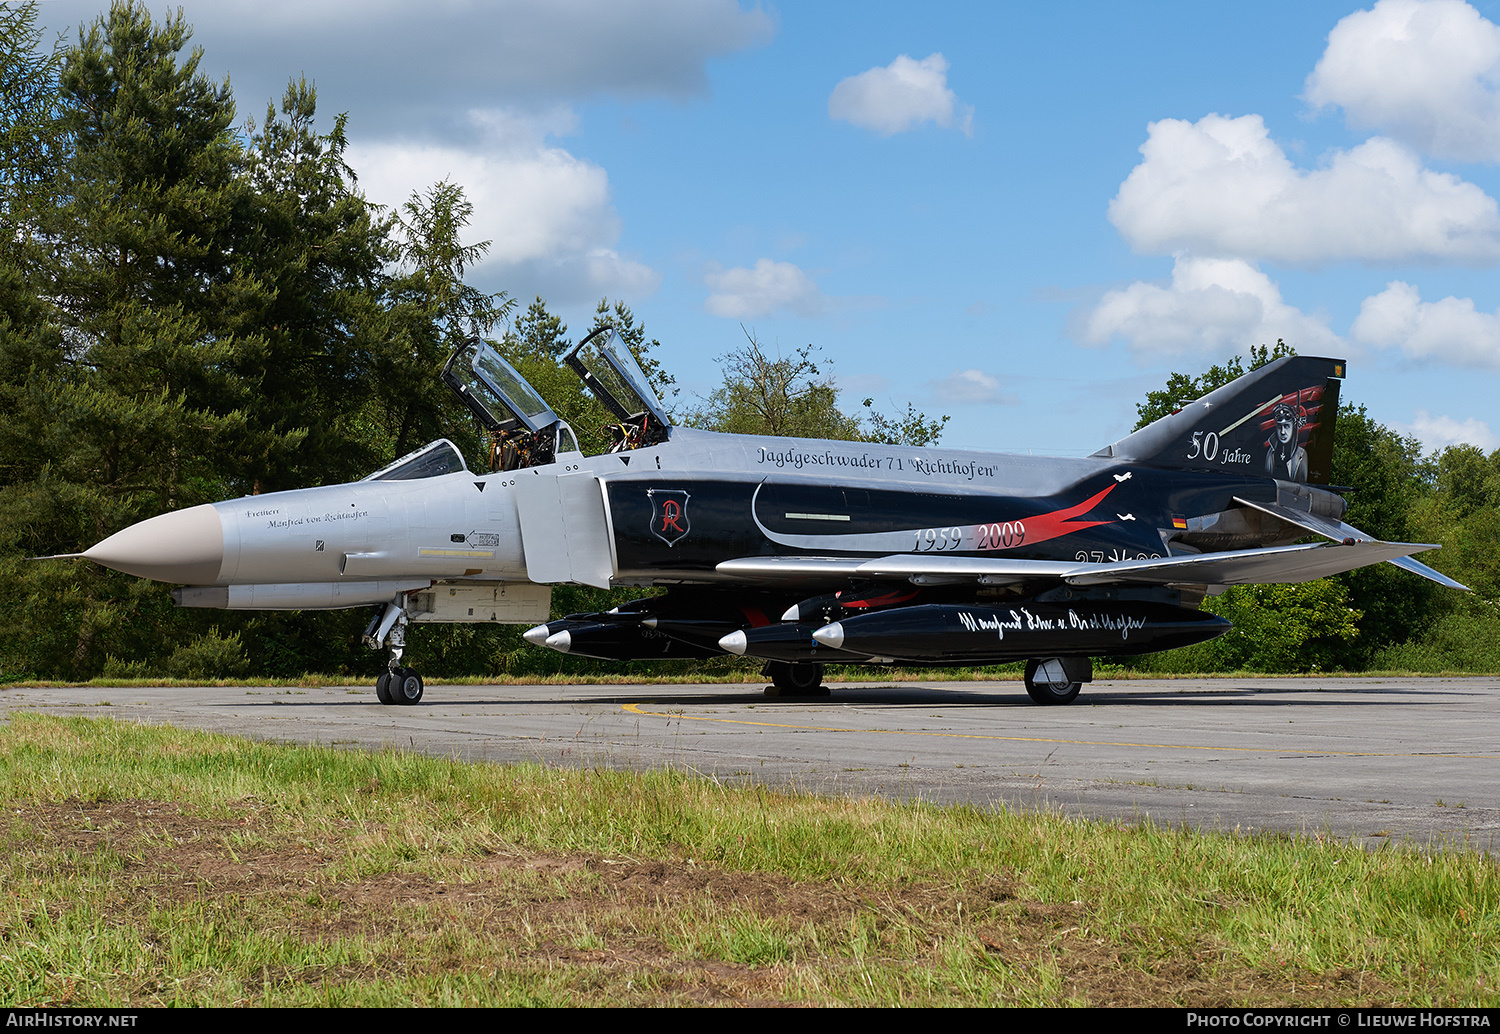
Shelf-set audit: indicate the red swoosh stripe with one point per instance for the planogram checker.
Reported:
(1058, 523)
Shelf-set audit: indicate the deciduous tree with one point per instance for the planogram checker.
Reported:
(788, 396)
(1181, 388)
(793, 396)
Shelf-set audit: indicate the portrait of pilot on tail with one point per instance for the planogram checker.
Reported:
(1285, 457)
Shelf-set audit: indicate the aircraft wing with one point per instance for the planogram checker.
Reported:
(1239, 567)
(1247, 566)
(913, 567)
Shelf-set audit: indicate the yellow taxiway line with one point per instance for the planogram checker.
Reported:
(636, 709)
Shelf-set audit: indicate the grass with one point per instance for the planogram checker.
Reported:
(148, 866)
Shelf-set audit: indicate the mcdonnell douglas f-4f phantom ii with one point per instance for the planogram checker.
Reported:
(794, 551)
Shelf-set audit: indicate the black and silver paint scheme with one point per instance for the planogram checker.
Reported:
(799, 552)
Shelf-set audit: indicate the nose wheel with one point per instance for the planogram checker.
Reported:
(401, 686)
(397, 685)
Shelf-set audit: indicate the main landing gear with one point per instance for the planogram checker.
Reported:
(387, 628)
(1057, 680)
(789, 679)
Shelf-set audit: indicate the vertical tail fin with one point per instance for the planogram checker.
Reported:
(1276, 421)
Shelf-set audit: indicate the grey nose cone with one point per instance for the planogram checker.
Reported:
(536, 636)
(734, 642)
(186, 546)
(831, 636)
(562, 641)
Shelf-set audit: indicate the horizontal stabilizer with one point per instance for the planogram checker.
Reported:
(1338, 531)
(1406, 563)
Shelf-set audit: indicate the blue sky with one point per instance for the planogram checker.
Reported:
(1020, 215)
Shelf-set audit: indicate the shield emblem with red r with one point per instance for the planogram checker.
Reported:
(669, 519)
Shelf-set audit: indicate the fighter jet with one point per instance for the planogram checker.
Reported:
(797, 552)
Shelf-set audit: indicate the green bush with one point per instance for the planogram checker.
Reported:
(1277, 628)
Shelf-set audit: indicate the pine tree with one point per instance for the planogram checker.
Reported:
(432, 311)
(311, 310)
(539, 333)
(29, 136)
(622, 319)
(535, 346)
(29, 132)
(140, 408)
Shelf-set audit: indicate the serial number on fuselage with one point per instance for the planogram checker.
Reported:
(1112, 556)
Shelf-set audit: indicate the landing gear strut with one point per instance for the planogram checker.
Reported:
(790, 679)
(397, 685)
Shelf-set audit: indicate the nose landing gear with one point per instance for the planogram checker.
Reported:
(397, 685)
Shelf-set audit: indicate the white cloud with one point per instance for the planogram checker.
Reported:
(546, 212)
(1436, 433)
(1221, 186)
(480, 52)
(971, 387)
(405, 70)
(1212, 308)
(1423, 71)
(1450, 330)
(899, 97)
(741, 293)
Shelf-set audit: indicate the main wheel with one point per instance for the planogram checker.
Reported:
(796, 680)
(1047, 683)
(383, 688)
(406, 687)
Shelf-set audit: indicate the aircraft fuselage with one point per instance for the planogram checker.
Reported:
(670, 522)
(796, 551)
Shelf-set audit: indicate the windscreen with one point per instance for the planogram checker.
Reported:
(430, 461)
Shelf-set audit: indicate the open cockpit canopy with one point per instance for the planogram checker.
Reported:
(608, 369)
(523, 429)
(494, 392)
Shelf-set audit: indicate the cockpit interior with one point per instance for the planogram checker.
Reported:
(521, 428)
